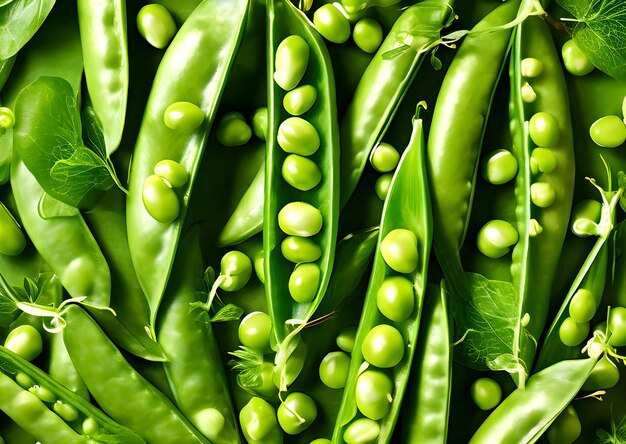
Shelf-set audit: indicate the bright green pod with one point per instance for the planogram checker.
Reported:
(499, 167)
(298, 101)
(292, 59)
(332, 24)
(297, 136)
(160, 200)
(304, 282)
(232, 130)
(608, 132)
(300, 219)
(172, 172)
(300, 249)
(373, 394)
(184, 117)
(367, 34)
(156, 25)
(12, 240)
(361, 431)
(301, 173)
(544, 130)
(7, 118)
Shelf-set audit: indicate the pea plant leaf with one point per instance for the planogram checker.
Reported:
(600, 32)
(19, 20)
(10, 297)
(227, 313)
(48, 138)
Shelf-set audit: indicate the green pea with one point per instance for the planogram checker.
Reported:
(361, 431)
(292, 59)
(236, 267)
(301, 173)
(7, 118)
(582, 307)
(399, 250)
(346, 338)
(566, 428)
(528, 93)
(25, 341)
(608, 132)
(297, 136)
(233, 130)
(368, 35)
(300, 219)
(585, 217)
(90, 426)
(575, 61)
(298, 101)
(257, 419)
(617, 326)
(499, 167)
(296, 413)
(172, 172)
(382, 185)
(542, 194)
(573, 333)
(496, 237)
(66, 411)
(604, 375)
(383, 346)
(259, 123)
(184, 117)
(534, 228)
(332, 24)
(542, 160)
(395, 298)
(259, 266)
(43, 393)
(531, 67)
(320, 441)
(304, 282)
(160, 200)
(334, 369)
(254, 331)
(486, 393)
(293, 368)
(300, 249)
(156, 25)
(384, 158)
(373, 394)
(544, 129)
(12, 240)
(24, 381)
(267, 388)
(210, 422)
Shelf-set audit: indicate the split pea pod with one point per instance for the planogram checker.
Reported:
(51, 412)
(301, 203)
(178, 117)
(143, 408)
(387, 333)
(105, 55)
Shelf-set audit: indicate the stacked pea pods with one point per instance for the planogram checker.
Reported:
(353, 222)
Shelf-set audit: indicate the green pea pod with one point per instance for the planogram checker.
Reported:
(425, 417)
(11, 432)
(385, 82)
(5, 69)
(532, 409)
(407, 208)
(39, 419)
(19, 20)
(62, 369)
(193, 69)
(187, 338)
(143, 408)
(105, 54)
(285, 21)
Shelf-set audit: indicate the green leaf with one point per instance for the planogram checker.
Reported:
(48, 138)
(621, 183)
(248, 362)
(601, 33)
(396, 52)
(229, 312)
(19, 20)
(93, 134)
(11, 296)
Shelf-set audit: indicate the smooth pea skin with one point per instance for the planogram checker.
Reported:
(373, 394)
(382, 185)
(298, 404)
(582, 307)
(396, 298)
(566, 428)
(7, 118)
(486, 393)
(90, 426)
(304, 282)
(604, 375)
(608, 132)
(257, 419)
(233, 130)
(301, 173)
(266, 387)
(315, 441)
(300, 219)
(575, 61)
(210, 422)
(298, 101)
(499, 167)
(25, 341)
(332, 24)
(346, 338)
(573, 333)
(368, 35)
(172, 172)
(254, 331)
(237, 269)
(542, 194)
(292, 59)
(383, 346)
(531, 67)
(43, 393)
(156, 25)
(66, 411)
(300, 249)
(617, 326)
(259, 266)
(496, 237)
(399, 250)
(361, 431)
(297, 136)
(184, 117)
(384, 158)
(12, 240)
(542, 160)
(259, 123)
(334, 369)
(544, 129)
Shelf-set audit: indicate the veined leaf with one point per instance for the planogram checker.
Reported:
(19, 20)
(229, 312)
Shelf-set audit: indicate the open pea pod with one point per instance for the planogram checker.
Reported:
(387, 335)
(51, 412)
(191, 76)
(301, 178)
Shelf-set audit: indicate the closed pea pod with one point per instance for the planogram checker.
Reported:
(12, 240)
